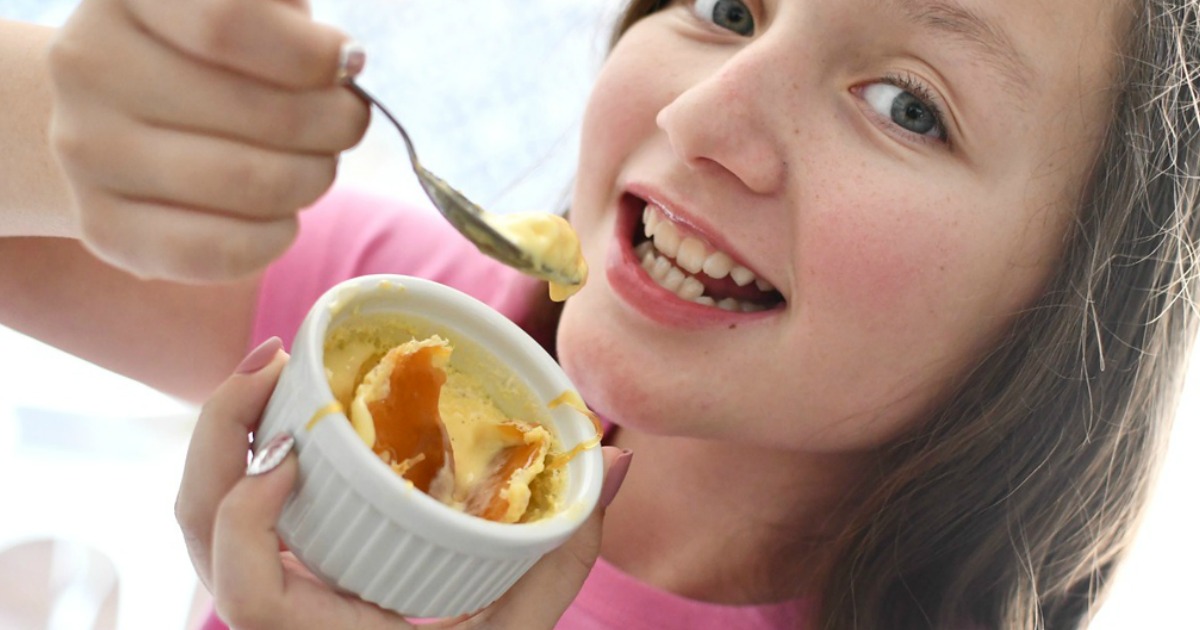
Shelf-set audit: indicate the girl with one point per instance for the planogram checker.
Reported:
(890, 297)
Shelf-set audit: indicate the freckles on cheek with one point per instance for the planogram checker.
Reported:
(873, 271)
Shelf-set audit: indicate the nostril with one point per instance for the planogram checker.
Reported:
(714, 131)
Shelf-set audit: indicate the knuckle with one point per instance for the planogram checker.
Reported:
(218, 263)
(193, 262)
(216, 26)
(68, 144)
(278, 185)
(208, 408)
(260, 180)
(87, 147)
(64, 58)
(251, 249)
(100, 229)
(287, 115)
(110, 237)
(322, 171)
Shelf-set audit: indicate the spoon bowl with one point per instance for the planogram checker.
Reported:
(471, 220)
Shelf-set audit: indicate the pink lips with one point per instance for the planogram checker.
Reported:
(641, 293)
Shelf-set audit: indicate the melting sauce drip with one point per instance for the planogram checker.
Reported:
(572, 400)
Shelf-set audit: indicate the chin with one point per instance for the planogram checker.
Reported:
(611, 376)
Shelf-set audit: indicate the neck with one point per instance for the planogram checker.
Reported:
(709, 519)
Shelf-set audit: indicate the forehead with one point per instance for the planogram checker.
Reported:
(1023, 42)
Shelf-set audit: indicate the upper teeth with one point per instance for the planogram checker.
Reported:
(690, 255)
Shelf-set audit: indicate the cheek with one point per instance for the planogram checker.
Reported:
(874, 265)
(609, 134)
(621, 108)
(900, 295)
(897, 298)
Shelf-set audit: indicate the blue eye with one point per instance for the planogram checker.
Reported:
(732, 15)
(906, 105)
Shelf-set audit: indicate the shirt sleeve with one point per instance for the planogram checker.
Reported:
(348, 234)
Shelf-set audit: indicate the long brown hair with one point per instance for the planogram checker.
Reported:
(1012, 505)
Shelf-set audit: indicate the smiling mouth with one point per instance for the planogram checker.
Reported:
(694, 270)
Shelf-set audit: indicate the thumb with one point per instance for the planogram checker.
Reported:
(245, 546)
(541, 596)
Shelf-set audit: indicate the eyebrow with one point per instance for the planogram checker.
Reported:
(973, 29)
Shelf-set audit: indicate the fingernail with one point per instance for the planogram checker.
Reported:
(271, 455)
(615, 477)
(260, 356)
(351, 60)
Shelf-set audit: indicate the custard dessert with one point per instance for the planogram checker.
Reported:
(463, 431)
(553, 246)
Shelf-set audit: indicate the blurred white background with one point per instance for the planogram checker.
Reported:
(492, 93)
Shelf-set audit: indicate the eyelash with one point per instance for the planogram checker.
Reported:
(903, 81)
(691, 6)
(927, 96)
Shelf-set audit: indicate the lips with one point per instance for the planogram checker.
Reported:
(680, 261)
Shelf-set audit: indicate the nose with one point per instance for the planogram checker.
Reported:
(725, 120)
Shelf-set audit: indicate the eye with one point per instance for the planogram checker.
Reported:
(732, 15)
(906, 103)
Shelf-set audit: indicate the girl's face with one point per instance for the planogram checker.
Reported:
(891, 179)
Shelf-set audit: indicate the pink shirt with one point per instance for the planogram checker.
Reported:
(347, 235)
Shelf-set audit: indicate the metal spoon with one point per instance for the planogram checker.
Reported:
(468, 218)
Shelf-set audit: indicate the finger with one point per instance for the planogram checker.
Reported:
(266, 39)
(541, 596)
(247, 572)
(216, 457)
(189, 169)
(164, 87)
(159, 242)
(252, 588)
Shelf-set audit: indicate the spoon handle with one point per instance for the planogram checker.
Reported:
(364, 95)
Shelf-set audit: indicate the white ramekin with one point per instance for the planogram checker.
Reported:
(360, 527)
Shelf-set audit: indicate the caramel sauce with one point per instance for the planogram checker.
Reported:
(408, 428)
(437, 427)
(411, 437)
(489, 499)
(322, 413)
(572, 400)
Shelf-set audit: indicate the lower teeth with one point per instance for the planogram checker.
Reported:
(667, 275)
